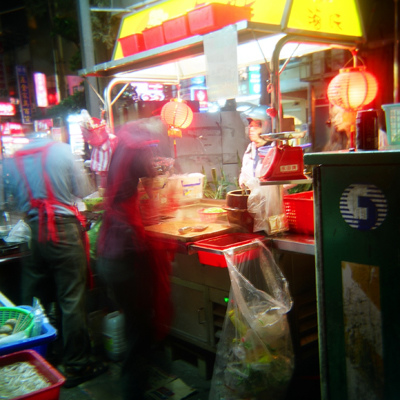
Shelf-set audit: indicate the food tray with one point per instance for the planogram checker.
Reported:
(392, 118)
(56, 380)
(24, 317)
(299, 209)
(211, 251)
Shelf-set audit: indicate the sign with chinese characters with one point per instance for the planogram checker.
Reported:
(24, 94)
(339, 17)
(11, 128)
(43, 125)
(7, 109)
(40, 89)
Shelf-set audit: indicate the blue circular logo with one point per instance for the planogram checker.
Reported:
(363, 207)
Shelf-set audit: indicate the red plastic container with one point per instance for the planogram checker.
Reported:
(56, 380)
(132, 44)
(212, 17)
(210, 251)
(176, 29)
(299, 208)
(153, 37)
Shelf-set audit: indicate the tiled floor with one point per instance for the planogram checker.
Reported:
(304, 386)
(107, 387)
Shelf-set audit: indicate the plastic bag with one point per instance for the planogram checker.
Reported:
(21, 232)
(265, 204)
(255, 358)
(94, 131)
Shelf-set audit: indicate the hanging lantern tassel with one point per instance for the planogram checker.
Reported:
(177, 115)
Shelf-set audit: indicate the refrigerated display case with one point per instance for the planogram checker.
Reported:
(357, 223)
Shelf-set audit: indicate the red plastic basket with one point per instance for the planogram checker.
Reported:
(176, 29)
(43, 368)
(299, 208)
(132, 44)
(153, 37)
(212, 17)
(211, 252)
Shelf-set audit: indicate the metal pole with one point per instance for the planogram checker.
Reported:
(396, 92)
(88, 61)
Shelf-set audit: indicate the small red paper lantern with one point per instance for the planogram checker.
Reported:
(353, 88)
(176, 114)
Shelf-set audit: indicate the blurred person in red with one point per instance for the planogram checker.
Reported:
(45, 181)
(134, 271)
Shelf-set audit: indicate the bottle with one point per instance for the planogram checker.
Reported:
(114, 335)
(367, 130)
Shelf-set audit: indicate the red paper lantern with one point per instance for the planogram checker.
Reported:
(353, 88)
(176, 114)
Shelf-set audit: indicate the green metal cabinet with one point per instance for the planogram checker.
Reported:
(357, 239)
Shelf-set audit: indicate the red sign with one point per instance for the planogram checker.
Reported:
(10, 128)
(42, 124)
(41, 89)
(7, 109)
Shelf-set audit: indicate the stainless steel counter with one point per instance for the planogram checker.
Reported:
(295, 243)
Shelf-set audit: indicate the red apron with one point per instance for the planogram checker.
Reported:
(46, 206)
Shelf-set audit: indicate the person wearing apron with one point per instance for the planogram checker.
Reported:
(45, 180)
(259, 122)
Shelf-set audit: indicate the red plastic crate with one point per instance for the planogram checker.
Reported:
(153, 37)
(214, 247)
(299, 208)
(176, 29)
(132, 44)
(56, 380)
(212, 17)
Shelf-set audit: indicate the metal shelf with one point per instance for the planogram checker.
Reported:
(294, 181)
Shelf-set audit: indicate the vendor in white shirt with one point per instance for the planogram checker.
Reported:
(259, 123)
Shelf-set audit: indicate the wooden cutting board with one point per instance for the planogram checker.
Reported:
(169, 230)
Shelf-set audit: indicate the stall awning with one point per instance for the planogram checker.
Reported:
(318, 24)
(185, 59)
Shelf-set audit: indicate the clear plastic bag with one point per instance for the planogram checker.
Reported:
(265, 204)
(255, 358)
(21, 232)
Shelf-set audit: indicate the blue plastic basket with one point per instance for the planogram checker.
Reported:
(38, 343)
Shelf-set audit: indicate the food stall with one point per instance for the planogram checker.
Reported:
(260, 32)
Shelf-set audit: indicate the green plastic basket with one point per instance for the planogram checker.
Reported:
(24, 318)
(392, 117)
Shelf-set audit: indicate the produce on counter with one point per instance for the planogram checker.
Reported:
(93, 204)
(213, 210)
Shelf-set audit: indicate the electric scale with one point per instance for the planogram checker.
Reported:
(283, 164)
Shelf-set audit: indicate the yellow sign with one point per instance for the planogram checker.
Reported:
(338, 17)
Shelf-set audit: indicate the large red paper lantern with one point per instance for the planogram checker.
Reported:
(177, 115)
(353, 88)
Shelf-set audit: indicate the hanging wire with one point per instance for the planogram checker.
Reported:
(288, 59)
(94, 90)
(262, 53)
